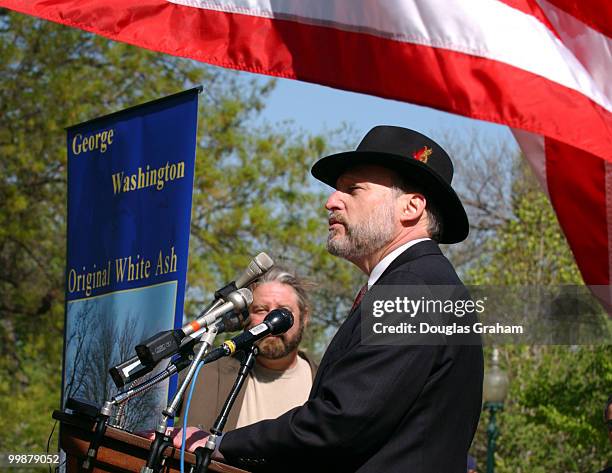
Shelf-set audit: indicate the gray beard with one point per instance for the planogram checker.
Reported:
(274, 348)
(365, 238)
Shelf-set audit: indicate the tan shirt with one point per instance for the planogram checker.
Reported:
(269, 393)
(214, 384)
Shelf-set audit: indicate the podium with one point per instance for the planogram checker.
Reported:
(120, 451)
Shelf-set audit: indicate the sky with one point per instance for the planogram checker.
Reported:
(317, 108)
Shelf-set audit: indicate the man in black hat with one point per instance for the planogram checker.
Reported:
(381, 408)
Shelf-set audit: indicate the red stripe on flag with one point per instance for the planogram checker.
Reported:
(577, 187)
(459, 83)
(595, 13)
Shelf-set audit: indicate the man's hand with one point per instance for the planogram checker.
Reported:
(195, 438)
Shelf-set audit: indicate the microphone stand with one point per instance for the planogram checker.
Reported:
(106, 411)
(204, 454)
(92, 452)
(162, 440)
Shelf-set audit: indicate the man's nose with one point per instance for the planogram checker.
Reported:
(256, 319)
(333, 201)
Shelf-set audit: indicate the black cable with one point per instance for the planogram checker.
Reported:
(49, 442)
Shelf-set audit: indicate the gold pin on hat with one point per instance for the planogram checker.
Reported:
(422, 154)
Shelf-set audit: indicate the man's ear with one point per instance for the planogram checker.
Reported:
(412, 206)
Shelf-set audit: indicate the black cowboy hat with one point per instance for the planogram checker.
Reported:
(418, 159)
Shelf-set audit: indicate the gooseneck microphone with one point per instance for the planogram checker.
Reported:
(257, 267)
(276, 322)
(133, 369)
(167, 343)
(236, 302)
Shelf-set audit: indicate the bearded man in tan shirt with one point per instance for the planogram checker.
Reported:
(282, 375)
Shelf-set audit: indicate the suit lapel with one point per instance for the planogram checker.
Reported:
(422, 248)
(344, 333)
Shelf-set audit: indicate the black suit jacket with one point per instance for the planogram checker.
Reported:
(377, 408)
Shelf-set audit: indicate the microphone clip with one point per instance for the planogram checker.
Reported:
(225, 291)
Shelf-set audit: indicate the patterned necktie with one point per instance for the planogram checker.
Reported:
(359, 296)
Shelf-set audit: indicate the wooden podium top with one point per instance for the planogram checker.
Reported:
(120, 451)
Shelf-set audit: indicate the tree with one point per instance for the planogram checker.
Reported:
(96, 342)
(528, 247)
(52, 77)
(552, 419)
(252, 192)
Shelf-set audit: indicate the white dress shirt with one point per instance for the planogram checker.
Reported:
(387, 260)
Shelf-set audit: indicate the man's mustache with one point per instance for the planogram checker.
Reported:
(336, 217)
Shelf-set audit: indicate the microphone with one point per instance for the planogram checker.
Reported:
(258, 266)
(167, 343)
(276, 322)
(236, 302)
(133, 369)
(232, 322)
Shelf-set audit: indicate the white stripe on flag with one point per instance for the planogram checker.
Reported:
(592, 48)
(533, 148)
(483, 28)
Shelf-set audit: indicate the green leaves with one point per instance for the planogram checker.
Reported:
(552, 419)
(252, 193)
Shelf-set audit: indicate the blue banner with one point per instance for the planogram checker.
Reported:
(130, 182)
